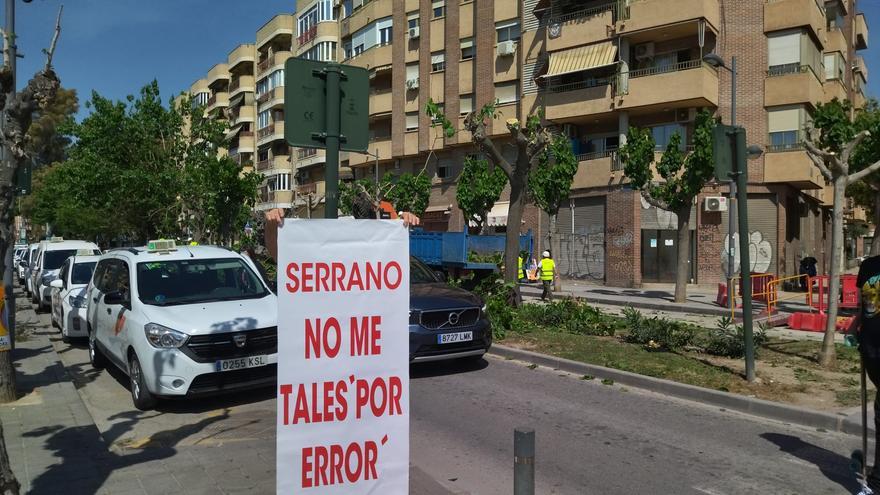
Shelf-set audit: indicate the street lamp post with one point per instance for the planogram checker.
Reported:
(716, 61)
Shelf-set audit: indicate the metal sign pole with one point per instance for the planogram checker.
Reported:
(331, 168)
(744, 262)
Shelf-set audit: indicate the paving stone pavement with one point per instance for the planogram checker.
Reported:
(56, 447)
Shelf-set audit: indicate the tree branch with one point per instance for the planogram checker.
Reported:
(825, 157)
(477, 127)
(865, 171)
(851, 146)
(51, 50)
(821, 166)
(654, 201)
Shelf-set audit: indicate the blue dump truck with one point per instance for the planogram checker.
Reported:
(450, 252)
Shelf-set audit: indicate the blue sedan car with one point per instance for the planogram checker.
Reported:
(444, 322)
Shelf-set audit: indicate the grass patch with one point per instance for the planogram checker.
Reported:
(852, 397)
(607, 381)
(805, 375)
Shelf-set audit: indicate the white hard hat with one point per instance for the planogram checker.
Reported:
(546, 254)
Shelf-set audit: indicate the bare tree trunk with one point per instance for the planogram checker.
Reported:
(682, 273)
(514, 221)
(828, 355)
(8, 484)
(875, 242)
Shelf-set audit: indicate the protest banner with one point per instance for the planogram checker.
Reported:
(343, 357)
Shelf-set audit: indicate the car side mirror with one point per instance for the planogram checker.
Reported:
(56, 284)
(116, 298)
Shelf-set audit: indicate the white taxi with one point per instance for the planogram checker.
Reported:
(68, 294)
(50, 256)
(182, 321)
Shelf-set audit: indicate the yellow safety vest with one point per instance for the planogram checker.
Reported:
(547, 267)
(519, 265)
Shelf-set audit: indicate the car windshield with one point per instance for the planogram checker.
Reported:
(82, 273)
(52, 260)
(419, 273)
(164, 283)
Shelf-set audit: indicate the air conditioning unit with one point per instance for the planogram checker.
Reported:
(715, 203)
(412, 83)
(645, 50)
(414, 32)
(506, 48)
(685, 115)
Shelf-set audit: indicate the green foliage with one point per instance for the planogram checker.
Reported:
(658, 333)
(569, 315)
(728, 340)
(479, 187)
(439, 118)
(683, 176)
(833, 124)
(864, 192)
(410, 192)
(348, 191)
(47, 141)
(550, 182)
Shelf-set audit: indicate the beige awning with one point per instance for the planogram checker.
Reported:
(436, 208)
(231, 133)
(379, 69)
(581, 58)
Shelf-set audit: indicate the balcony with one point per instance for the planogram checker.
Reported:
(220, 72)
(791, 165)
(216, 101)
(380, 102)
(834, 88)
(274, 97)
(787, 14)
(317, 188)
(690, 83)
(569, 101)
(284, 197)
(648, 14)
(281, 26)
(792, 84)
(383, 145)
(271, 132)
(836, 42)
(582, 27)
(274, 60)
(242, 114)
(365, 15)
(242, 54)
(861, 41)
(241, 83)
(278, 162)
(375, 56)
(599, 169)
(307, 36)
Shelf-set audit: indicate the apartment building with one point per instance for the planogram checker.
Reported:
(594, 68)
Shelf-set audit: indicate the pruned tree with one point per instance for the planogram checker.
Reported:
(833, 141)
(681, 178)
(408, 192)
(19, 112)
(479, 187)
(866, 192)
(550, 184)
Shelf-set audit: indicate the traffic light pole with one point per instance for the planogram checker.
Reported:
(742, 178)
(331, 168)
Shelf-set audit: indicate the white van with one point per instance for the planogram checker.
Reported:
(50, 256)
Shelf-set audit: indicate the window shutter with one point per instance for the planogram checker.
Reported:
(784, 119)
(784, 48)
(506, 92)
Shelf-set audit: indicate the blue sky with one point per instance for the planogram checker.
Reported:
(117, 46)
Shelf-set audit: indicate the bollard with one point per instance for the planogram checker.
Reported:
(524, 461)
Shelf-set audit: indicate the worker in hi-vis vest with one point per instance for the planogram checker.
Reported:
(547, 267)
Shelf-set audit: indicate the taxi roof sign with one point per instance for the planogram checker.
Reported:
(84, 252)
(161, 245)
(56, 239)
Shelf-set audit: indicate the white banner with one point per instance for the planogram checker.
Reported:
(343, 357)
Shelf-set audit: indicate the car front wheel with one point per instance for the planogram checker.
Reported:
(140, 394)
(95, 356)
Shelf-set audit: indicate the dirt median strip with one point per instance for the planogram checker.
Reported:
(749, 405)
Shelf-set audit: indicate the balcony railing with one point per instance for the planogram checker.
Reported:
(663, 69)
(264, 64)
(776, 148)
(786, 69)
(593, 83)
(618, 9)
(311, 188)
(263, 98)
(304, 153)
(616, 163)
(266, 131)
(212, 99)
(307, 36)
(263, 164)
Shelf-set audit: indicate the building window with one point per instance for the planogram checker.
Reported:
(357, 50)
(663, 135)
(412, 121)
(506, 92)
(792, 52)
(324, 51)
(438, 61)
(412, 21)
(263, 119)
(375, 33)
(784, 125)
(508, 30)
(346, 51)
(200, 99)
(834, 66)
(385, 35)
(439, 8)
(263, 155)
(467, 49)
(439, 117)
(466, 104)
(834, 16)
(444, 170)
(412, 74)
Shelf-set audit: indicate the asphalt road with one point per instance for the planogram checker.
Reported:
(591, 438)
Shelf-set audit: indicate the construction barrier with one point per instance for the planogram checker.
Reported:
(773, 290)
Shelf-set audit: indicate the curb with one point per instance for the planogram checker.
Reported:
(667, 306)
(749, 405)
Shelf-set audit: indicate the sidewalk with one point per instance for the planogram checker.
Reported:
(55, 446)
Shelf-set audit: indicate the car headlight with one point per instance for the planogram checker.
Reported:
(483, 310)
(414, 317)
(163, 337)
(77, 301)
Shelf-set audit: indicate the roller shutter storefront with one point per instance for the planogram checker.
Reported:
(582, 244)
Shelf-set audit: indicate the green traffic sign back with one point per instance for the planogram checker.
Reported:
(722, 151)
(305, 105)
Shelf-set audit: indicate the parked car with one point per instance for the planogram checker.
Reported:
(182, 321)
(68, 295)
(21, 252)
(29, 260)
(50, 256)
(444, 322)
